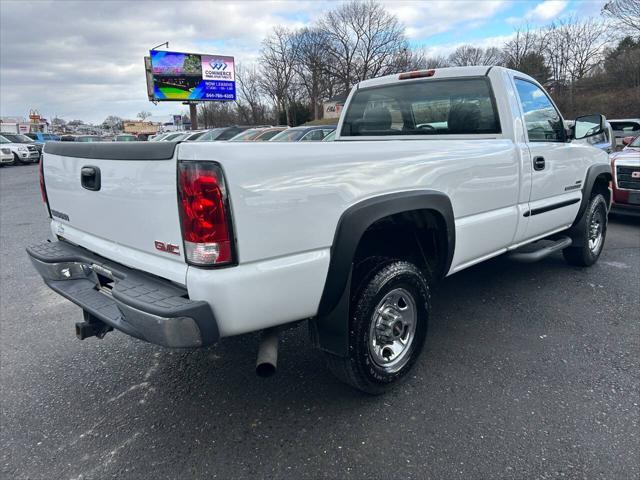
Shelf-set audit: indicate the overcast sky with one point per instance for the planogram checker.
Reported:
(84, 60)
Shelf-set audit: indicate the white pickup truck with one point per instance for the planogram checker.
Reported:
(181, 244)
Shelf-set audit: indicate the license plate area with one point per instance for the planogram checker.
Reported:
(634, 198)
(106, 279)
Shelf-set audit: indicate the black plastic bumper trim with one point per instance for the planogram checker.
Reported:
(141, 305)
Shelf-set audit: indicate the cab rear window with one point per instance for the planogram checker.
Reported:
(430, 107)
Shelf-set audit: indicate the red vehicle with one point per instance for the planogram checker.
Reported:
(625, 166)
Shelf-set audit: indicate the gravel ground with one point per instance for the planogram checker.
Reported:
(529, 371)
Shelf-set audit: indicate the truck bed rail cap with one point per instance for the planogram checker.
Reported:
(113, 150)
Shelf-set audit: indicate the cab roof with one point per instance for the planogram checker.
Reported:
(447, 72)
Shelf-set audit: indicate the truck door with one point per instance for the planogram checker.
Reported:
(557, 177)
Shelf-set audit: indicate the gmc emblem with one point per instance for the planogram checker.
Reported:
(167, 247)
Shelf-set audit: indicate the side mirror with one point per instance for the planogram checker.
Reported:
(588, 126)
(627, 141)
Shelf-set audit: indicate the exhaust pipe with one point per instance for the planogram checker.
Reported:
(267, 361)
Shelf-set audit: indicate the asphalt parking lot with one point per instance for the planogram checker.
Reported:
(529, 371)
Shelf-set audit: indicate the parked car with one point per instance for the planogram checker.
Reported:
(67, 138)
(225, 133)
(158, 137)
(191, 136)
(248, 135)
(20, 138)
(21, 152)
(173, 137)
(40, 138)
(125, 138)
(89, 138)
(267, 134)
(624, 127)
(625, 166)
(6, 156)
(431, 172)
(304, 134)
(330, 137)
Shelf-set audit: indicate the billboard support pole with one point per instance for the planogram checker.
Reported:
(193, 115)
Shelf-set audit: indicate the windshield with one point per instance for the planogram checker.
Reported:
(330, 137)
(291, 135)
(230, 132)
(635, 143)
(4, 140)
(268, 135)
(210, 135)
(125, 138)
(194, 136)
(172, 136)
(157, 137)
(17, 138)
(247, 135)
(88, 139)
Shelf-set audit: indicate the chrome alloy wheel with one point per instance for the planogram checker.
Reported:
(393, 328)
(596, 228)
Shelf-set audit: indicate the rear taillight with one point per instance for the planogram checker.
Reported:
(204, 213)
(43, 189)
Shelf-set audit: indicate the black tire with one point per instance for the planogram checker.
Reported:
(592, 229)
(379, 280)
(16, 160)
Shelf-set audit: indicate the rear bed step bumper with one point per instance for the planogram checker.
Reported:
(139, 304)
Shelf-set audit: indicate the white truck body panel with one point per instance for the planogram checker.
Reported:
(136, 206)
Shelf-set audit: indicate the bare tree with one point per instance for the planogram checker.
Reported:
(573, 48)
(523, 44)
(439, 61)
(143, 115)
(556, 53)
(468, 55)
(249, 103)
(311, 65)
(217, 114)
(112, 122)
(586, 41)
(625, 14)
(277, 61)
(363, 41)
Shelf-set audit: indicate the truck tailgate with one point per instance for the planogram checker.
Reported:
(132, 207)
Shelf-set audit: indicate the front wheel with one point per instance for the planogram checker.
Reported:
(388, 325)
(593, 231)
(17, 160)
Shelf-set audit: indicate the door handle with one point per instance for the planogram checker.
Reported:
(538, 163)
(90, 178)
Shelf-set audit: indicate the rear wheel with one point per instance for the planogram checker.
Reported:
(593, 231)
(388, 325)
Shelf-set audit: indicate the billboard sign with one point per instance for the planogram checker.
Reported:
(188, 76)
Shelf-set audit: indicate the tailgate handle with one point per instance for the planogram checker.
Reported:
(90, 178)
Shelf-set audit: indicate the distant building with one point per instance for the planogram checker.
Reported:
(333, 107)
(139, 127)
(34, 124)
